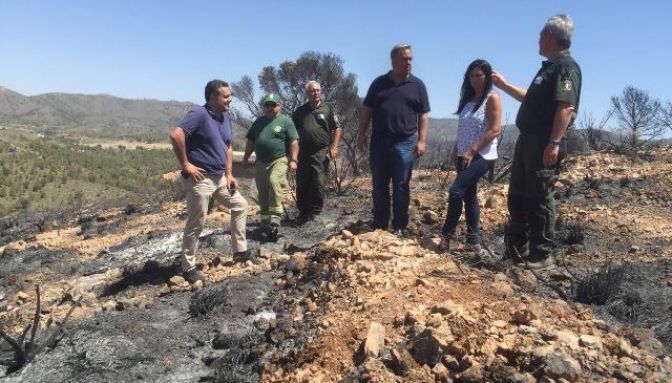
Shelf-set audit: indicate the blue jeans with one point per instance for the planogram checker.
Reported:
(391, 158)
(464, 192)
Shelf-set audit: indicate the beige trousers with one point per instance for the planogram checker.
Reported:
(198, 196)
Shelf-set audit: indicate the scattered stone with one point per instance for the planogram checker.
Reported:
(524, 278)
(12, 249)
(591, 342)
(22, 297)
(524, 316)
(426, 348)
(502, 289)
(440, 372)
(473, 374)
(218, 260)
(430, 243)
(403, 361)
(296, 263)
(263, 324)
(375, 340)
(430, 217)
(568, 338)
(198, 285)
(110, 305)
(447, 307)
(164, 290)
(176, 280)
(560, 365)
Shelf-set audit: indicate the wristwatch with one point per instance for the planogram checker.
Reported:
(554, 142)
(294, 161)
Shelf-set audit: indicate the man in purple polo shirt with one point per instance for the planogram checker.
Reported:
(397, 106)
(202, 144)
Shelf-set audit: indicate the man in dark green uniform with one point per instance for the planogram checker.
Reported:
(319, 136)
(273, 138)
(549, 106)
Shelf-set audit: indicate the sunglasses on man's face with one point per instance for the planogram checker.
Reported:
(270, 105)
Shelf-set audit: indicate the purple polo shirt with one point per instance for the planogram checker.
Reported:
(207, 139)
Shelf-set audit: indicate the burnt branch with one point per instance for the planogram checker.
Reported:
(24, 333)
(36, 318)
(53, 336)
(19, 355)
(25, 351)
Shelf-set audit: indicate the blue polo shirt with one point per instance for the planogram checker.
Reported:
(208, 138)
(395, 107)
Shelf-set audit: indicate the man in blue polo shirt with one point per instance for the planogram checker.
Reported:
(202, 144)
(397, 105)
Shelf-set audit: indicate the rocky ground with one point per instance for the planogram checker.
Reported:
(337, 302)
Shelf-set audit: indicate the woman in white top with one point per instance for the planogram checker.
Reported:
(480, 115)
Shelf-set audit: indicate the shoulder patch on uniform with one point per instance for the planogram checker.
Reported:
(566, 82)
(566, 85)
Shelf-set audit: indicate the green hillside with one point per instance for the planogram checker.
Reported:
(39, 173)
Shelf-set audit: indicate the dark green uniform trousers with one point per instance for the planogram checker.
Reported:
(531, 199)
(311, 180)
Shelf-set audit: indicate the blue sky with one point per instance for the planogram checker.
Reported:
(169, 49)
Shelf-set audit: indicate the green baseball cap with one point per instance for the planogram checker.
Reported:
(272, 97)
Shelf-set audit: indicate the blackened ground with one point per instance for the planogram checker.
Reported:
(231, 330)
(164, 343)
(222, 333)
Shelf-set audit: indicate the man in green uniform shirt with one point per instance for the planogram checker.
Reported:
(319, 136)
(273, 138)
(549, 106)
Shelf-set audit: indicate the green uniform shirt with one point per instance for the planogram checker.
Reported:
(315, 125)
(558, 80)
(272, 137)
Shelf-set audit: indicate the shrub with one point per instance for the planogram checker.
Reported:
(600, 287)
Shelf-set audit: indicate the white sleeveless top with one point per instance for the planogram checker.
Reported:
(471, 127)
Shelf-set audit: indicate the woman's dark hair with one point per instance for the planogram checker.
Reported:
(212, 87)
(468, 92)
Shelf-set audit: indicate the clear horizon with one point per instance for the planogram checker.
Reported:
(168, 50)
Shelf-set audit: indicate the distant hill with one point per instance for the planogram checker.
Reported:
(91, 115)
(105, 116)
(442, 130)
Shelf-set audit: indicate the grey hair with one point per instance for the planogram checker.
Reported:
(309, 83)
(562, 27)
(398, 48)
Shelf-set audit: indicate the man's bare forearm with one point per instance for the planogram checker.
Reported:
(178, 140)
(423, 126)
(563, 115)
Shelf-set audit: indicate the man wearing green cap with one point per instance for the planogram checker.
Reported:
(274, 139)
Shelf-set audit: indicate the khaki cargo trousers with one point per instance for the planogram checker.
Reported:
(271, 180)
(198, 197)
